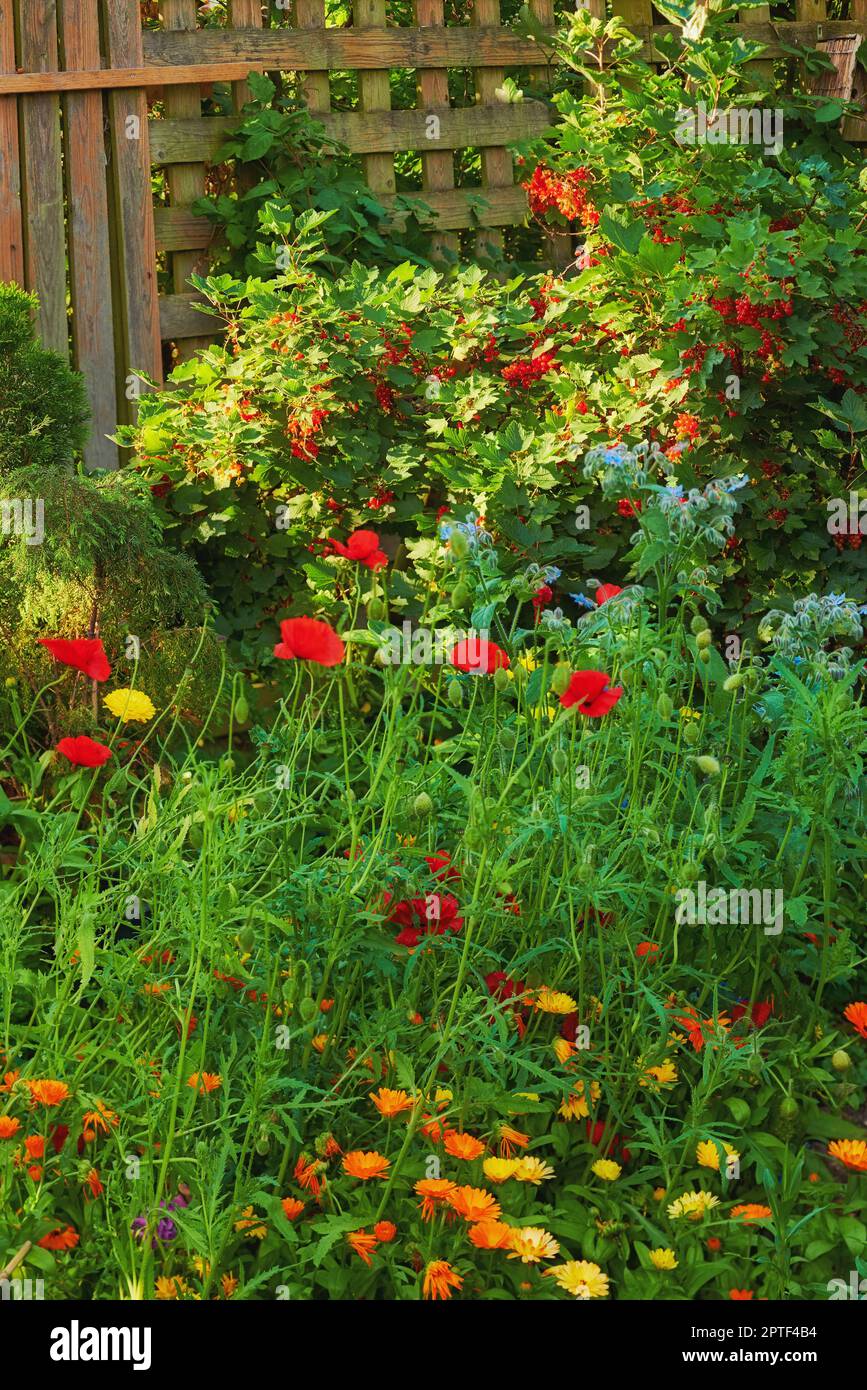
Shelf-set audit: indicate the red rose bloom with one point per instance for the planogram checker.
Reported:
(475, 655)
(309, 639)
(85, 654)
(361, 546)
(589, 690)
(83, 751)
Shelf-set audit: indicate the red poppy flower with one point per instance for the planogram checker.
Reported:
(441, 866)
(607, 591)
(646, 948)
(85, 654)
(541, 597)
(589, 690)
(595, 1131)
(759, 1014)
(361, 546)
(475, 655)
(309, 639)
(432, 915)
(502, 987)
(83, 751)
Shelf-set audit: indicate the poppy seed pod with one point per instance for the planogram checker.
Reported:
(422, 806)
(561, 678)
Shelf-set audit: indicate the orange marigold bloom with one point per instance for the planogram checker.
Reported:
(61, 1238)
(491, 1235)
(440, 1279)
(462, 1145)
(9, 1079)
(852, 1152)
(363, 1244)
(474, 1204)
(856, 1014)
(205, 1082)
(292, 1208)
(390, 1103)
(740, 1295)
(48, 1093)
(100, 1119)
(365, 1165)
(511, 1138)
(9, 1126)
(385, 1231)
(306, 1174)
(751, 1211)
(434, 1192)
(93, 1184)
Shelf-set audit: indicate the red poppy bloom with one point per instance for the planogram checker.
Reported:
(501, 986)
(759, 1014)
(85, 654)
(475, 655)
(361, 546)
(83, 751)
(541, 597)
(309, 639)
(441, 866)
(646, 948)
(589, 690)
(432, 915)
(596, 1129)
(607, 591)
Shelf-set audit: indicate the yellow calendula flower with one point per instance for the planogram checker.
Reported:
(607, 1169)
(130, 706)
(170, 1287)
(663, 1259)
(687, 713)
(581, 1278)
(530, 1244)
(663, 1075)
(692, 1204)
(499, 1169)
(707, 1154)
(563, 1049)
(532, 1169)
(554, 1001)
(575, 1106)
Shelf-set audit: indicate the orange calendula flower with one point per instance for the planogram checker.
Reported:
(474, 1204)
(307, 1174)
(292, 1208)
(852, 1152)
(9, 1126)
(740, 1295)
(554, 1001)
(205, 1082)
(461, 1145)
(9, 1079)
(530, 1244)
(490, 1235)
(61, 1238)
(229, 1284)
(92, 1183)
(699, 1030)
(440, 1279)
(856, 1014)
(363, 1244)
(48, 1093)
(365, 1165)
(751, 1211)
(385, 1231)
(390, 1103)
(434, 1193)
(96, 1121)
(510, 1139)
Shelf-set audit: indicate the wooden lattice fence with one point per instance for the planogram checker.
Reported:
(77, 146)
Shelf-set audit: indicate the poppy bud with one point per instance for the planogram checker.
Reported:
(455, 693)
(664, 706)
(460, 594)
(690, 872)
(704, 638)
(242, 711)
(377, 609)
(559, 761)
(422, 806)
(508, 738)
(734, 682)
(698, 624)
(263, 1143)
(704, 656)
(561, 678)
(501, 680)
(247, 939)
(789, 1108)
(708, 765)
(307, 1010)
(841, 1061)
(460, 545)
(691, 734)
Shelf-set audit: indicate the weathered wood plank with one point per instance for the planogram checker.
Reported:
(42, 178)
(466, 207)
(137, 319)
(90, 273)
(186, 182)
(437, 167)
(180, 320)
(497, 170)
(11, 223)
(316, 84)
(178, 229)
(178, 142)
(374, 94)
(243, 14)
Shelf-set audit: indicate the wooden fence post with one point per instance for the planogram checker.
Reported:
(11, 230)
(186, 182)
(437, 166)
(497, 168)
(42, 177)
(90, 275)
(374, 89)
